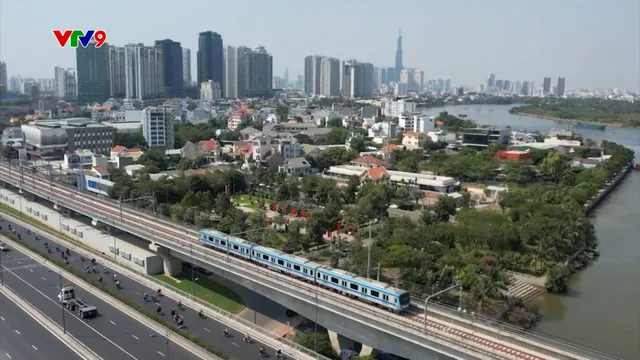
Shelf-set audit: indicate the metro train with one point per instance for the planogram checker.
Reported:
(371, 291)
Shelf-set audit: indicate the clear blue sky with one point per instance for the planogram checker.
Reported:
(592, 43)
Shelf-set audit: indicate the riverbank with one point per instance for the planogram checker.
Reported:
(515, 111)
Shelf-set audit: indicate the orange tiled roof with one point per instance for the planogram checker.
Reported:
(245, 147)
(118, 148)
(135, 150)
(368, 159)
(411, 133)
(389, 148)
(378, 173)
(211, 145)
(100, 170)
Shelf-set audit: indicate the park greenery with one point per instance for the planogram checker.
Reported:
(589, 110)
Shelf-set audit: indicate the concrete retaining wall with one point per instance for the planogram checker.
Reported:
(591, 204)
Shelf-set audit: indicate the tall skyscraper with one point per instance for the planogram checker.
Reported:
(3, 73)
(286, 77)
(211, 58)
(357, 79)
(491, 81)
(186, 66)
(560, 87)
(234, 72)
(399, 65)
(447, 85)
(525, 90)
(259, 72)
(65, 86)
(144, 72)
(93, 74)
(546, 86)
(330, 77)
(391, 75)
(117, 72)
(172, 67)
(312, 66)
(418, 80)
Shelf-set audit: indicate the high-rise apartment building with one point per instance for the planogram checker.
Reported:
(398, 63)
(3, 73)
(379, 78)
(391, 75)
(172, 68)
(157, 127)
(259, 72)
(234, 72)
(65, 86)
(210, 91)
(560, 87)
(144, 72)
(525, 90)
(491, 81)
(418, 80)
(93, 74)
(312, 70)
(210, 58)
(186, 66)
(357, 79)
(447, 85)
(330, 77)
(546, 86)
(117, 72)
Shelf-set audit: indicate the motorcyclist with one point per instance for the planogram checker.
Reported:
(46, 244)
(247, 339)
(225, 332)
(279, 353)
(145, 297)
(153, 298)
(159, 292)
(100, 279)
(201, 314)
(68, 252)
(173, 312)
(114, 277)
(57, 248)
(159, 310)
(179, 305)
(118, 284)
(262, 351)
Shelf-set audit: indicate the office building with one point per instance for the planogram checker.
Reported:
(546, 86)
(65, 83)
(391, 75)
(259, 72)
(47, 84)
(234, 72)
(312, 70)
(447, 85)
(418, 123)
(186, 66)
(560, 87)
(157, 127)
(51, 139)
(525, 90)
(3, 73)
(498, 85)
(491, 81)
(483, 137)
(379, 78)
(117, 72)
(210, 58)
(144, 72)
(93, 74)
(506, 85)
(398, 63)
(172, 66)
(329, 77)
(34, 94)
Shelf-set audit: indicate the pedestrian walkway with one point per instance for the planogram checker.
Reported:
(520, 289)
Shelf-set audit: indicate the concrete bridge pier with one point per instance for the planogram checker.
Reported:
(339, 342)
(172, 265)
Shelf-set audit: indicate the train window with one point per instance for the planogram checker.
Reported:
(223, 243)
(289, 265)
(364, 290)
(296, 267)
(334, 280)
(344, 283)
(385, 297)
(253, 253)
(280, 262)
(235, 247)
(273, 260)
(311, 272)
(266, 257)
(375, 293)
(304, 271)
(354, 286)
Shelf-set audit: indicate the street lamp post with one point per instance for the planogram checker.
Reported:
(64, 321)
(1, 269)
(426, 301)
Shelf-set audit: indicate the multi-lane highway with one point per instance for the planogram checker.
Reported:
(111, 335)
(207, 329)
(24, 338)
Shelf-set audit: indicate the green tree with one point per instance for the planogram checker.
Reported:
(558, 279)
(334, 122)
(307, 339)
(553, 166)
(358, 144)
(8, 152)
(130, 140)
(154, 160)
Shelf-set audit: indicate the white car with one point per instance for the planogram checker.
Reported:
(4, 247)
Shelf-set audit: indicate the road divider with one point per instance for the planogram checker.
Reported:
(186, 339)
(66, 337)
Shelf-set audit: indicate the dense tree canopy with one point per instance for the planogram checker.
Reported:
(593, 110)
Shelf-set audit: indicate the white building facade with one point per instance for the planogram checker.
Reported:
(157, 127)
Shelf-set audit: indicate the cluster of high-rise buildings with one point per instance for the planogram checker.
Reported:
(526, 88)
(328, 76)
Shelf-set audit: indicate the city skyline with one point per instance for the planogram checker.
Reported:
(462, 30)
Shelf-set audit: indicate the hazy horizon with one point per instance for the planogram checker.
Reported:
(592, 44)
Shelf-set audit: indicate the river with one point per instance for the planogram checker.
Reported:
(602, 309)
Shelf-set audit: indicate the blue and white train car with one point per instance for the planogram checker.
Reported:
(291, 264)
(221, 241)
(368, 290)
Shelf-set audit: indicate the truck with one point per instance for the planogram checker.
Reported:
(67, 297)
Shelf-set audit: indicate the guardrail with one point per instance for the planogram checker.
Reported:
(276, 282)
(186, 247)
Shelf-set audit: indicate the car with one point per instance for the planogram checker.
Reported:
(4, 247)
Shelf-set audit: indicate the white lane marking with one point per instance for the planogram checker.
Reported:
(207, 330)
(135, 337)
(112, 322)
(160, 353)
(9, 356)
(42, 277)
(19, 262)
(235, 344)
(137, 293)
(34, 347)
(31, 270)
(72, 314)
(18, 332)
(2, 318)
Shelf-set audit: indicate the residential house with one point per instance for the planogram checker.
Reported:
(296, 166)
(249, 132)
(120, 150)
(411, 140)
(376, 174)
(98, 172)
(243, 150)
(514, 155)
(367, 161)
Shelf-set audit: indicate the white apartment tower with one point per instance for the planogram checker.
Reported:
(117, 71)
(234, 71)
(186, 66)
(357, 79)
(157, 127)
(3, 73)
(144, 75)
(65, 83)
(312, 74)
(329, 77)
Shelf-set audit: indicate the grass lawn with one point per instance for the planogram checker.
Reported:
(205, 289)
(246, 201)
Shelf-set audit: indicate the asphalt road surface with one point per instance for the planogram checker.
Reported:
(22, 337)
(111, 335)
(207, 329)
